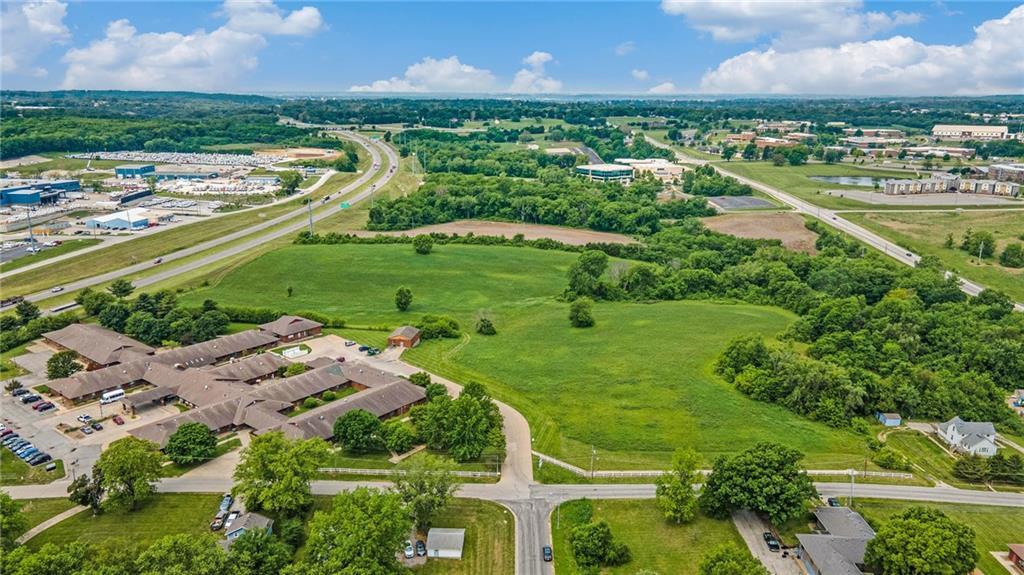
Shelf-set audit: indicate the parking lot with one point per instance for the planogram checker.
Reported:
(740, 202)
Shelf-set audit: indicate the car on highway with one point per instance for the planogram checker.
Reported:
(118, 420)
(409, 551)
(158, 261)
(421, 548)
(57, 289)
(548, 555)
(771, 541)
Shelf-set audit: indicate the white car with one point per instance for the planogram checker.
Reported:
(410, 552)
(57, 289)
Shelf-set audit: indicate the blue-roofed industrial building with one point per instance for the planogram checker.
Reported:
(190, 175)
(134, 170)
(33, 192)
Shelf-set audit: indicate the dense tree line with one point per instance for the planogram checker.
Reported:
(154, 318)
(444, 152)
(706, 181)
(555, 198)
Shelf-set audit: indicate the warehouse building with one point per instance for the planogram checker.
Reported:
(606, 173)
(32, 192)
(966, 132)
(134, 171)
(130, 219)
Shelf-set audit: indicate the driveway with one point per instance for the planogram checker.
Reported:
(752, 528)
(35, 360)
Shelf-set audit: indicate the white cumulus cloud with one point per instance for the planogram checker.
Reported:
(534, 79)
(990, 63)
(432, 75)
(787, 23)
(263, 17)
(663, 88)
(198, 60)
(27, 29)
(625, 48)
(640, 74)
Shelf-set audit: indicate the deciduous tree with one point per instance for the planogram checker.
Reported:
(257, 552)
(922, 541)
(274, 473)
(403, 298)
(674, 491)
(580, 314)
(121, 288)
(12, 520)
(191, 443)
(130, 468)
(358, 430)
(360, 534)
(182, 554)
(730, 560)
(426, 486)
(62, 364)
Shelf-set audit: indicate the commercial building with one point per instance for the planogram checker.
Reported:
(96, 346)
(941, 151)
(838, 544)
(134, 171)
(783, 126)
(606, 172)
(130, 219)
(660, 168)
(769, 142)
(1007, 172)
(874, 132)
(968, 132)
(803, 137)
(185, 175)
(264, 180)
(870, 142)
(32, 192)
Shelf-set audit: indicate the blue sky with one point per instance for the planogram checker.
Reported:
(673, 46)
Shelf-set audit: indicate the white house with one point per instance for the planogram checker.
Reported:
(445, 543)
(972, 437)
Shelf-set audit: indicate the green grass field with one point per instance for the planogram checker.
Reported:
(67, 247)
(637, 386)
(795, 180)
(14, 471)
(38, 510)
(60, 163)
(994, 527)
(490, 547)
(160, 515)
(655, 544)
(925, 234)
(932, 461)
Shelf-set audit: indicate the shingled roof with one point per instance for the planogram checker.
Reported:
(97, 344)
(212, 351)
(254, 367)
(287, 325)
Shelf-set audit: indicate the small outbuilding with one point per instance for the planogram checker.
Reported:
(1016, 555)
(889, 419)
(248, 522)
(405, 336)
(445, 543)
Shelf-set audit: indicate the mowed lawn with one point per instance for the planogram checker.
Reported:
(655, 544)
(490, 546)
(636, 387)
(160, 515)
(38, 510)
(994, 527)
(925, 234)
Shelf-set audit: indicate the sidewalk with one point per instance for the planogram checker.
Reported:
(49, 523)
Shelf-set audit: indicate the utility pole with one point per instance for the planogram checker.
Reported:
(31, 236)
(593, 456)
(309, 208)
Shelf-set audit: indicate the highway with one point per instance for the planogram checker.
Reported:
(300, 222)
(832, 218)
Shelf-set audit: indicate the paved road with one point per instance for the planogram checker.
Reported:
(834, 219)
(375, 149)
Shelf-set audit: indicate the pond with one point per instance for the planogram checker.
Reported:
(863, 181)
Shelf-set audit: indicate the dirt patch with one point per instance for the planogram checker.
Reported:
(22, 161)
(571, 236)
(787, 227)
(300, 153)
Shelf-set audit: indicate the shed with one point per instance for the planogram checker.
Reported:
(405, 336)
(1016, 555)
(445, 543)
(889, 419)
(248, 522)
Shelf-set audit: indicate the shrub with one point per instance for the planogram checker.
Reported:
(888, 458)
(423, 244)
(420, 378)
(311, 403)
(485, 326)
(329, 395)
(580, 313)
(438, 326)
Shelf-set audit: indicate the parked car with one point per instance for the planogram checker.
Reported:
(834, 502)
(226, 502)
(84, 418)
(409, 551)
(19, 391)
(47, 406)
(340, 359)
(6, 432)
(42, 406)
(421, 548)
(218, 521)
(364, 347)
(548, 555)
(32, 398)
(349, 343)
(11, 439)
(372, 352)
(25, 455)
(23, 449)
(118, 420)
(40, 459)
(86, 430)
(773, 543)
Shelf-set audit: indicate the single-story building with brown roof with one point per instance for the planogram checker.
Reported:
(96, 346)
(252, 369)
(288, 328)
(405, 336)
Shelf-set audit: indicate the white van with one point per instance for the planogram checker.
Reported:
(112, 396)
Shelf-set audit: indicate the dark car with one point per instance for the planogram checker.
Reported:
(96, 425)
(11, 439)
(548, 555)
(834, 502)
(773, 543)
(46, 407)
(118, 420)
(6, 432)
(349, 343)
(19, 391)
(39, 459)
(32, 398)
(421, 548)
(41, 405)
(364, 347)
(218, 521)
